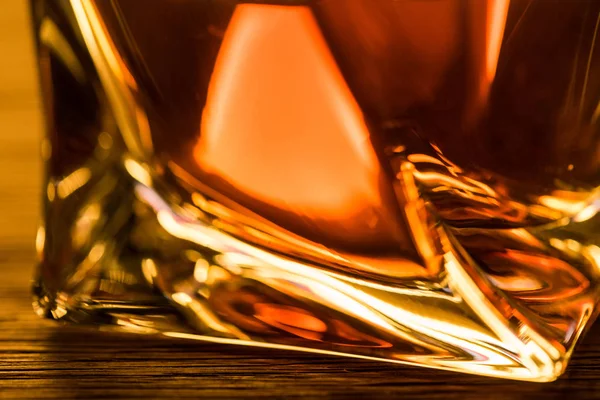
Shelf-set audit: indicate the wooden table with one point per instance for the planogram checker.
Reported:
(40, 359)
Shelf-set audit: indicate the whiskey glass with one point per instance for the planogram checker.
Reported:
(412, 181)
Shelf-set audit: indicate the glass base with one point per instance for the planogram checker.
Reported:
(130, 250)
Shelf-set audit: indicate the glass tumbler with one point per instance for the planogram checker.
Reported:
(412, 181)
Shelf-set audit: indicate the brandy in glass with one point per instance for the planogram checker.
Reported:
(402, 180)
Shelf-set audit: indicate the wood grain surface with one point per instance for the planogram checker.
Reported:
(42, 360)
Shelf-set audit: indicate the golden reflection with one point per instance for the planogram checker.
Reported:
(59, 312)
(569, 203)
(72, 182)
(119, 276)
(589, 212)
(149, 270)
(84, 225)
(50, 191)
(592, 252)
(135, 326)
(418, 219)
(201, 270)
(40, 241)
(105, 140)
(440, 180)
(138, 171)
(51, 36)
(89, 264)
(118, 82)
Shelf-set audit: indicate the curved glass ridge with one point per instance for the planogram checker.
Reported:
(407, 181)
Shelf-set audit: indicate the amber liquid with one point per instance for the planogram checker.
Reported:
(302, 98)
(356, 136)
(303, 112)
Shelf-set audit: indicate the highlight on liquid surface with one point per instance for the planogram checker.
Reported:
(355, 176)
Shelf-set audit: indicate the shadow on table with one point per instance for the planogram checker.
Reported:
(87, 363)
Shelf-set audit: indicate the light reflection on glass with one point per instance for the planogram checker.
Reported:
(408, 181)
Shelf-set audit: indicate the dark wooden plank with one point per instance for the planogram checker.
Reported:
(42, 360)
